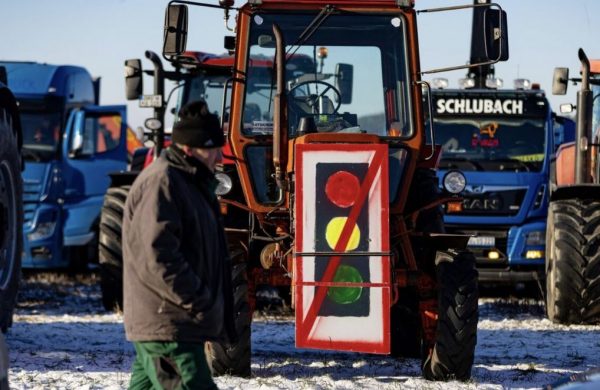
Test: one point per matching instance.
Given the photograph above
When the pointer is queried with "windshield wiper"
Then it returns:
(474, 163)
(312, 27)
(514, 161)
(30, 153)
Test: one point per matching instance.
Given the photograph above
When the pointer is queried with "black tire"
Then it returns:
(405, 318)
(573, 261)
(234, 359)
(110, 248)
(456, 334)
(11, 219)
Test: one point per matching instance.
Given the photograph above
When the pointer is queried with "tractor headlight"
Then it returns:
(454, 182)
(225, 183)
(42, 231)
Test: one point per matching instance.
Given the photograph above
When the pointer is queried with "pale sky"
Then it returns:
(100, 35)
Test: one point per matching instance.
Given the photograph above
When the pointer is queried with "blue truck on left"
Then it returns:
(70, 144)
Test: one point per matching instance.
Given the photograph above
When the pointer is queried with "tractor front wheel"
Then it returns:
(573, 261)
(456, 335)
(234, 359)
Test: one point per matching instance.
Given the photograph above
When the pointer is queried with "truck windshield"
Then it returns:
(491, 144)
(349, 75)
(41, 134)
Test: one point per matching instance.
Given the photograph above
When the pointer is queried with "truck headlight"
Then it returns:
(42, 231)
(454, 182)
(225, 184)
(537, 237)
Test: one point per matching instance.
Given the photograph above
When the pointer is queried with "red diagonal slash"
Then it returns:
(341, 245)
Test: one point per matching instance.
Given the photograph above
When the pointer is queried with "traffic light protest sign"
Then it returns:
(341, 267)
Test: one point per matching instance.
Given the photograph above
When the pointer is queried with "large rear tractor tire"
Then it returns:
(110, 254)
(234, 359)
(573, 261)
(11, 220)
(456, 335)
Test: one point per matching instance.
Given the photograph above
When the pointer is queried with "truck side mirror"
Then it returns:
(134, 87)
(560, 81)
(495, 34)
(176, 27)
(344, 78)
(76, 145)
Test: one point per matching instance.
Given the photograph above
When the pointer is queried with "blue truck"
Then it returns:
(70, 144)
(499, 145)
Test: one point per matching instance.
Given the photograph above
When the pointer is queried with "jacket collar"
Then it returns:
(200, 172)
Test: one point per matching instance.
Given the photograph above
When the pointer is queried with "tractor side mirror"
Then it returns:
(134, 87)
(176, 27)
(560, 81)
(344, 78)
(495, 34)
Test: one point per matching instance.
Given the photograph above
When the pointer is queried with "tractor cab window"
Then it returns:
(347, 75)
(208, 88)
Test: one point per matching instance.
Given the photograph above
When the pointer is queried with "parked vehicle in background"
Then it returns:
(70, 144)
(201, 76)
(573, 226)
(502, 142)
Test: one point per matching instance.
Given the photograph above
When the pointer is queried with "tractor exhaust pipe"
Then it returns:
(280, 137)
(159, 112)
(583, 135)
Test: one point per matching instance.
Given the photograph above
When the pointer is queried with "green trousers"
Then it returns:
(170, 365)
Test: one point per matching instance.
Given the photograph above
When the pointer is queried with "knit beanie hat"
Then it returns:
(197, 127)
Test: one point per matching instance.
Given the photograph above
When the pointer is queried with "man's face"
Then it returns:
(208, 156)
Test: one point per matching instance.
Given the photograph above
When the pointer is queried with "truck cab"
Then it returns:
(69, 146)
(502, 142)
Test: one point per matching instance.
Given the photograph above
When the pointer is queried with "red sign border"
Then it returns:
(303, 328)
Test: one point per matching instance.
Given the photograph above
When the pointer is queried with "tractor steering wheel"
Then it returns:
(312, 100)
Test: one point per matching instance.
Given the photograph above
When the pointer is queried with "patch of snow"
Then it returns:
(63, 339)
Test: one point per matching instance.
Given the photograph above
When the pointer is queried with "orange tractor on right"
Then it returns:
(573, 227)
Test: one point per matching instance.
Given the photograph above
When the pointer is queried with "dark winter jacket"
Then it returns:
(177, 272)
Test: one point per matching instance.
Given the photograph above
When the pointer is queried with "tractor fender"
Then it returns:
(580, 191)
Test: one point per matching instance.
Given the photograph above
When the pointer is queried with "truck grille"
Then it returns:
(493, 203)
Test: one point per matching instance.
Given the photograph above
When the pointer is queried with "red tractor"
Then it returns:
(573, 235)
(331, 193)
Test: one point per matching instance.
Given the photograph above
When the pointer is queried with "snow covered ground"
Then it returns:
(62, 339)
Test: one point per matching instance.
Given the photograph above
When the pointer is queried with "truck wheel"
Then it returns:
(573, 262)
(456, 335)
(234, 359)
(11, 220)
(110, 254)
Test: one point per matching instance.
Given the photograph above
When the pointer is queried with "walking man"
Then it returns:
(177, 273)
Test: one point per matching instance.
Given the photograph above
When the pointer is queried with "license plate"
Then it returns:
(482, 241)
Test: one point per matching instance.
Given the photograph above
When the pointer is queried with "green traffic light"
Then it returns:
(345, 295)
